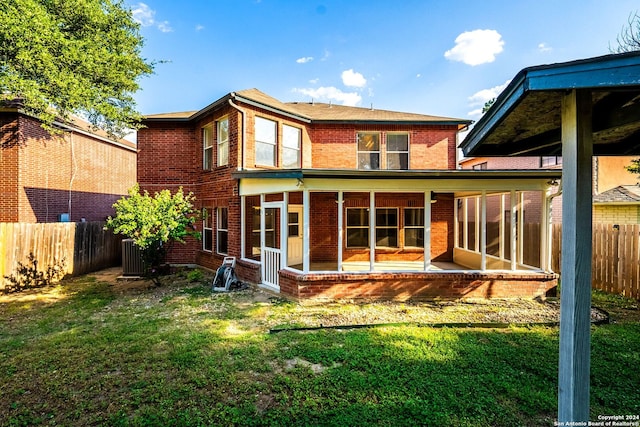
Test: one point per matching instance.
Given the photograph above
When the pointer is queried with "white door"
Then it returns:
(294, 243)
(271, 227)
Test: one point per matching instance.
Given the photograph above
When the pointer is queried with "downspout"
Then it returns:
(244, 131)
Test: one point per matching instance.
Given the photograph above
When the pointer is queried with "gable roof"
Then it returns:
(623, 194)
(525, 119)
(312, 112)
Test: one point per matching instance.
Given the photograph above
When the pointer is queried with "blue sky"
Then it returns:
(443, 58)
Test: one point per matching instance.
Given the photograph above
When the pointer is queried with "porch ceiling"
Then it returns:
(525, 119)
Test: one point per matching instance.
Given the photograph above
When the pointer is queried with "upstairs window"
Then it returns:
(290, 147)
(222, 245)
(223, 142)
(207, 147)
(550, 161)
(398, 151)
(480, 166)
(368, 150)
(266, 131)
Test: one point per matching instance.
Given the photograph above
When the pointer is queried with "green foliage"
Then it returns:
(634, 167)
(195, 275)
(61, 57)
(154, 222)
(488, 105)
(29, 276)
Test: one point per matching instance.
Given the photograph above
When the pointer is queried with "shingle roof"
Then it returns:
(620, 194)
(314, 111)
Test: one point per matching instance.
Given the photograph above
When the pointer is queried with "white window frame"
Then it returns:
(207, 227)
(223, 143)
(207, 147)
(289, 145)
(360, 152)
(396, 151)
(388, 227)
(413, 227)
(351, 227)
(261, 140)
(222, 228)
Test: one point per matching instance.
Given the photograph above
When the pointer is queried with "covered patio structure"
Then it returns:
(577, 109)
(348, 234)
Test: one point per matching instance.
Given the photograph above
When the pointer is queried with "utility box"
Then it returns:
(132, 264)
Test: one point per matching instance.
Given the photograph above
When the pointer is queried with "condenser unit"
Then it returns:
(132, 264)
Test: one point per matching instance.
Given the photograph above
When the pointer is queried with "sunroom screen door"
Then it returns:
(271, 238)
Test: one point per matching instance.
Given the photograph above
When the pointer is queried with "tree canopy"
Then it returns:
(629, 38)
(63, 57)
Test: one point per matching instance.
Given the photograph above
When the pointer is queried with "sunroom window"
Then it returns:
(414, 227)
(357, 227)
(207, 231)
(398, 151)
(387, 228)
(222, 245)
(368, 150)
(266, 131)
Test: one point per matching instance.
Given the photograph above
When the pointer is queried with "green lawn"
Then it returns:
(90, 353)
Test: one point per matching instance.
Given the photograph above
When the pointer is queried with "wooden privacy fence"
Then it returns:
(616, 257)
(85, 246)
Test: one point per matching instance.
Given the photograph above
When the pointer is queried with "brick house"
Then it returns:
(77, 174)
(325, 201)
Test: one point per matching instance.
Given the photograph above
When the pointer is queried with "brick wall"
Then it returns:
(414, 286)
(62, 173)
(9, 145)
(622, 214)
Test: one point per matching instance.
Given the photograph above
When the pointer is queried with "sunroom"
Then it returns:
(340, 234)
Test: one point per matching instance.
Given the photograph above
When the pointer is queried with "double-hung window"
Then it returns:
(223, 142)
(480, 166)
(266, 142)
(222, 231)
(550, 161)
(398, 151)
(290, 146)
(207, 147)
(368, 150)
(387, 227)
(357, 228)
(207, 231)
(414, 227)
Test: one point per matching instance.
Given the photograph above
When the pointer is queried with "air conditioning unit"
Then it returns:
(132, 264)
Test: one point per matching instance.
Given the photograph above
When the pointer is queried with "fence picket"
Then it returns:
(85, 247)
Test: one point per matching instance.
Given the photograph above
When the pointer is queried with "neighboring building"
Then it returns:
(75, 175)
(620, 205)
(325, 201)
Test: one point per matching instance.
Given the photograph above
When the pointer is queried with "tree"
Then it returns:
(63, 57)
(629, 38)
(154, 223)
(488, 105)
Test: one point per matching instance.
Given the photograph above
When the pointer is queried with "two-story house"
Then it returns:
(317, 200)
(73, 175)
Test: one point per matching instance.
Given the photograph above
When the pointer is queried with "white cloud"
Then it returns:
(143, 15)
(480, 97)
(304, 59)
(146, 17)
(542, 47)
(314, 81)
(165, 27)
(199, 27)
(476, 47)
(332, 94)
(326, 55)
(353, 79)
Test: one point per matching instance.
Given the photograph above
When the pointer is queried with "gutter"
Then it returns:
(244, 131)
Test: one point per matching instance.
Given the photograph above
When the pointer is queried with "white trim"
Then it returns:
(427, 228)
(340, 229)
(372, 230)
(306, 208)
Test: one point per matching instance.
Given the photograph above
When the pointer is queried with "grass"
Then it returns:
(88, 352)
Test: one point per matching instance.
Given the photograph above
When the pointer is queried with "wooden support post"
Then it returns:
(575, 297)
